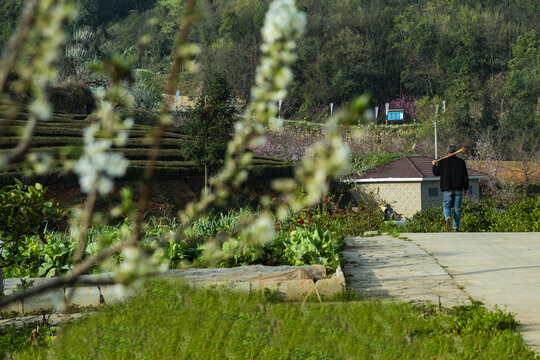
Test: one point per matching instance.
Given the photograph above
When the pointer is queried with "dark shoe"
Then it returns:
(449, 224)
(455, 230)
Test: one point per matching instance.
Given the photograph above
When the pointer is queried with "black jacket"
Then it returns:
(453, 172)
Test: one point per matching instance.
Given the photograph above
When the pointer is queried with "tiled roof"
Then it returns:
(407, 167)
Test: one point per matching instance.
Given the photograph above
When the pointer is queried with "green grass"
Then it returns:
(171, 321)
(14, 339)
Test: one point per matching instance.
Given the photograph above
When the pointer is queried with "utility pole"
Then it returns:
(435, 127)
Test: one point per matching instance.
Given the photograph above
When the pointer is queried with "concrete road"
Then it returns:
(499, 269)
(388, 267)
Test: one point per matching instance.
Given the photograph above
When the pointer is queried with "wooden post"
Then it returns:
(314, 288)
(261, 284)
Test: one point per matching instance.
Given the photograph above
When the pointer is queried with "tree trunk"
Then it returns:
(205, 178)
(1, 281)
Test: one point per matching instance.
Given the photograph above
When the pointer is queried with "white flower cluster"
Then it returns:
(263, 229)
(322, 160)
(41, 70)
(283, 25)
(137, 263)
(40, 162)
(97, 166)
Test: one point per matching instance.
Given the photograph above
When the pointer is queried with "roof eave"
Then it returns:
(378, 180)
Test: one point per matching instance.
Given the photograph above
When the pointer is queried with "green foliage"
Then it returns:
(304, 247)
(146, 91)
(476, 216)
(521, 216)
(475, 318)
(10, 10)
(210, 124)
(523, 86)
(220, 325)
(14, 339)
(428, 220)
(471, 56)
(24, 210)
(46, 255)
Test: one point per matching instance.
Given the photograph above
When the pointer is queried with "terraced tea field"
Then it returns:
(176, 179)
(62, 138)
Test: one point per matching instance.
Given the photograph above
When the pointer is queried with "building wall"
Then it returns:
(404, 197)
(429, 188)
(407, 198)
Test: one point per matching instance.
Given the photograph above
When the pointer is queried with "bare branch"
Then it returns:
(179, 60)
(17, 155)
(16, 42)
(87, 218)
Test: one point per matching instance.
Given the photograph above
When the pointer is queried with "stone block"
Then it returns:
(115, 293)
(239, 286)
(50, 300)
(266, 284)
(82, 296)
(295, 289)
(10, 285)
(329, 287)
(14, 306)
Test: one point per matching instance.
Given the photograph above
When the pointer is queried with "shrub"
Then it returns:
(46, 255)
(24, 210)
(72, 97)
(523, 215)
(146, 91)
(476, 217)
(428, 220)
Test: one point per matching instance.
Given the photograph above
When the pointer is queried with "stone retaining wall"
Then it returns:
(294, 283)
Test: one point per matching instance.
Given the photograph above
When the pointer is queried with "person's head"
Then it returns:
(451, 148)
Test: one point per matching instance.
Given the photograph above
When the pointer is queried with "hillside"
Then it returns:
(177, 180)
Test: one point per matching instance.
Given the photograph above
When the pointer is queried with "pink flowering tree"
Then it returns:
(405, 102)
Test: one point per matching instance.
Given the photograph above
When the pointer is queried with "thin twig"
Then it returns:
(87, 217)
(179, 59)
(16, 42)
(17, 155)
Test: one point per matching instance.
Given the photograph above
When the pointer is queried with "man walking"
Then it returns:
(454, 183)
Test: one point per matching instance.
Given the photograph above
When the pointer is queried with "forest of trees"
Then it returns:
(482, 57)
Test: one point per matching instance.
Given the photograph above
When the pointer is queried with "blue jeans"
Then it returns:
(452, 199)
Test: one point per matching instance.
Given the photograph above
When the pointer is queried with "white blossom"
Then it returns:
(41, 108)
(98, 166)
